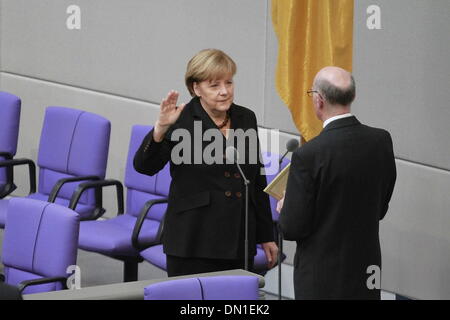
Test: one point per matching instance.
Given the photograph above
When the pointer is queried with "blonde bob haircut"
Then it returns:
(208, 64)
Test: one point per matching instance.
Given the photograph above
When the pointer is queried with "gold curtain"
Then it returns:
(312, 34)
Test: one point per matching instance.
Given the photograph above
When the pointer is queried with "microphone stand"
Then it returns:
(246, 183)
(280, 238)
(290, 146)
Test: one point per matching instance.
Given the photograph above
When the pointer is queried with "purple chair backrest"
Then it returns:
(9, 126)
(205, 288)
(270, 177)
(141, 187)
(40, 240)
(73, 143)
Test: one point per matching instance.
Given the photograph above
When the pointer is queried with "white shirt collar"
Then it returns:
(341, 116)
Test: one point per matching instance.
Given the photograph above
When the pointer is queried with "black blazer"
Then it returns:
(339, 187)
(205, 214)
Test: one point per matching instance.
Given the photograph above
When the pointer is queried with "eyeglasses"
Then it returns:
(310, 93)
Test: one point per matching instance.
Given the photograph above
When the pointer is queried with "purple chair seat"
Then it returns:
(205, 288)
(40, 241)
(155, 256)
(112, 237)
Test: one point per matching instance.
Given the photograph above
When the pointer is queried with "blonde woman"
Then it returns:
(204, 223)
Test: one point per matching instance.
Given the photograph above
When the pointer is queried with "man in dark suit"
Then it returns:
(339, 187)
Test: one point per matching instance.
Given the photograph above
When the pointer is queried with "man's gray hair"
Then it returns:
(335, 95)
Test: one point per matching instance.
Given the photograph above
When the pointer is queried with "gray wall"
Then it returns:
(128, 54)
(403, 74)
(136, 49)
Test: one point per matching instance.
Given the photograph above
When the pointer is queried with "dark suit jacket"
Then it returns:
(205, 214)
(339, 187)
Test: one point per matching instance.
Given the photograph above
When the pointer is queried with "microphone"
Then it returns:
(232, 156)
(291, 146)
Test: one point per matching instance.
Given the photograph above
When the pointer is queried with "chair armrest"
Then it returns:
(6, 155)
(158, 239)
(31, 169)
(27, 283)
(9, 186)
(61, 182)
(140, 221)
(98, 186)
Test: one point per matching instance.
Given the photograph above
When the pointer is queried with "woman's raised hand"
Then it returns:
(168, 114)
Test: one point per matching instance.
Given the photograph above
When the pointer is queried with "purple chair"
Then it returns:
(155, 255)
(205, 288)
(273, 206)
(9, 132)
(40, 243)
(73, 148)
(273, 202)
(146, 205)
